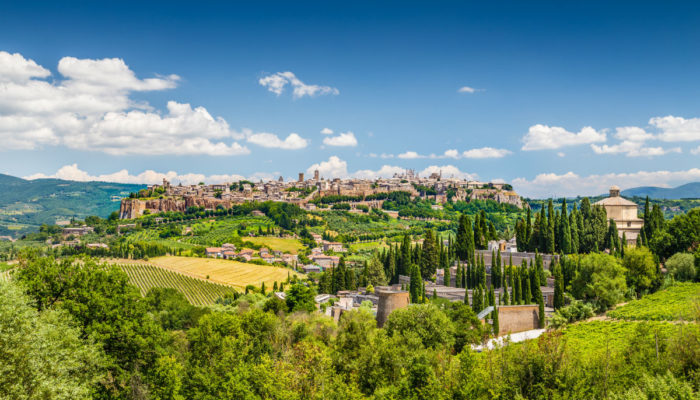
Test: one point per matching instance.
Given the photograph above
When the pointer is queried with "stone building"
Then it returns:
(624, 213)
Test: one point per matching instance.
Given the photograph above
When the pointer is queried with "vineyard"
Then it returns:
(679, 302)
(4, 276)
(292, 246)
(226, 272)
(197, 291)
(614, 337)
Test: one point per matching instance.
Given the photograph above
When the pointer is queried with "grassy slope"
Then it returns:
(678, 302)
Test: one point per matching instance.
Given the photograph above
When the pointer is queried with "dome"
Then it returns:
(614, 187)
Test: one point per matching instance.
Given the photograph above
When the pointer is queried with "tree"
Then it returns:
(565, 236)
(681, 266)
(494, 321)
(42, 355)
(446, 276)
(429, 256)
(600, 278)
(425, 321)
(641, 269)
(416, 287)
(300, 298)
(540, 303)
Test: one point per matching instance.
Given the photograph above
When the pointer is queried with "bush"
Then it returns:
(681, 266)
(576, 311)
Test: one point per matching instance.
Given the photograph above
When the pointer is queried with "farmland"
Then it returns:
(225, 272)
(679, 302)
(285, 245)
(198, 292)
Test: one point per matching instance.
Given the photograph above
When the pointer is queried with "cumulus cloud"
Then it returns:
(486, 152)
(346, 139)
(326, 131)
(74, 173)
(633, 149)
(410, 155)
(543, 137)
(677, 129)
(571, 184)
(291, 142)
(335, 167)
(448, 171)
(277, 82)
(466, 89)
(90, 108)
(483, 152)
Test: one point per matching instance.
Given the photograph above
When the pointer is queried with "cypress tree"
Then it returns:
(517, 291)
(262, 288)
(458, 280)
(573, 227)
(483, 271)
(434, 294)
(492, 297)
(527, 294)
(494, 319)
(466, 296)
(446, 276)
(274, 287)
(506, 296)
(429, 255)
(415, 287)
(540, 302)
(565, 241)
(528, 231)
(623, 243)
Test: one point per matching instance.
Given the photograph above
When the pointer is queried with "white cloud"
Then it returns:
(326, 131)
(91, 109)
(277, 82)
(410, 155)
(385, 155)
(633, 149)
(695, 151)
(467, 89)
(543, 137)
(448, 171)
(486, 152)
(292, 142)
(15, 68)
(561, 154)
(571, 184)
(677, 129)
(633, 133)
(74, 173)
(452, 153)
(346, 139)
(333, 168)
(386, 171)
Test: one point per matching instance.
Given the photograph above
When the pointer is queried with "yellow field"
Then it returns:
(227, 272)
(274, 243)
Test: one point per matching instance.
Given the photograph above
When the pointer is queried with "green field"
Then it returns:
(599, 337)
(679, 302)
(285, 245)
(197, 291)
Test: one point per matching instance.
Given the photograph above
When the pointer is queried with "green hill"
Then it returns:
(687, 191)
(25, 204)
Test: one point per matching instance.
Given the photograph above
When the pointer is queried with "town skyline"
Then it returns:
(353, 93)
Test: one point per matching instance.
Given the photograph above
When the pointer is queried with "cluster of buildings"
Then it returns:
(228, 251)
(302, 191)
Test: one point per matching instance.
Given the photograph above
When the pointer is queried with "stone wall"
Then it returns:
(389, 300)
(513, 319)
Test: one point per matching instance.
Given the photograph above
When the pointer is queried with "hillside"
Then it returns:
(687, 191)
(25, 204)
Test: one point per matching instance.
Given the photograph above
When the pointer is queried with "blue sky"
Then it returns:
(558, 98)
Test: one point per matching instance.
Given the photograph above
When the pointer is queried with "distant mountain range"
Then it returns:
(687, 191)
(25, 204)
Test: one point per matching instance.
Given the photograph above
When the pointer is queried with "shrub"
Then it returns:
(681, 266)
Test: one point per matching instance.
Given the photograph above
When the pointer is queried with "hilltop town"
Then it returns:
(307, 192)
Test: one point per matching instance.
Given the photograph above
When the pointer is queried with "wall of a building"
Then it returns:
(389, 301)
(513, 319)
